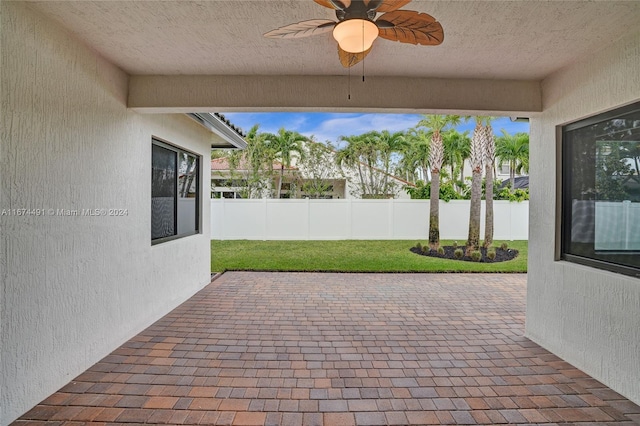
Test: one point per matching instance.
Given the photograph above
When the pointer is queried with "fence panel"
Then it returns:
(355, 219)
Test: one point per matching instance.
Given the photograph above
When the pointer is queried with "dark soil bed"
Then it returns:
(501, 255)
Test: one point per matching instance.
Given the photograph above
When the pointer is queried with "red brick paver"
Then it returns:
(339, 349)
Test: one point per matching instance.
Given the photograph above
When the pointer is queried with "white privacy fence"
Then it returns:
(355, 219)
(617, 225)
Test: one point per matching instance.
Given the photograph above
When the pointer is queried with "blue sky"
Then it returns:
(330, 126)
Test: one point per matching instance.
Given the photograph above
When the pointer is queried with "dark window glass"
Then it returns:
(175, 192)
(601, 191)
(188, 194)
(163, 192)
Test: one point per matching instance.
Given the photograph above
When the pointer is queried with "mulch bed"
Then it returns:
(501, 255)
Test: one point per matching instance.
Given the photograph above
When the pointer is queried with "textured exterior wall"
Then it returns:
(73, 288)
(589, 317)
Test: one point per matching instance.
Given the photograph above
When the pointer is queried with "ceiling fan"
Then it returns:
(357, 27)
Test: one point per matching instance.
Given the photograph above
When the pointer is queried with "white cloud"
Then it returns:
(355, 124)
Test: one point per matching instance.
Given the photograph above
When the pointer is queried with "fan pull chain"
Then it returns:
(363, 51)
(349, 84)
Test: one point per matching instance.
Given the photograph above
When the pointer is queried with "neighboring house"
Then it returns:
(229, 182)
(301, 181)
(501, 172)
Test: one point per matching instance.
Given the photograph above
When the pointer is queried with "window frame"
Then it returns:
(566, 181)
(177, 150)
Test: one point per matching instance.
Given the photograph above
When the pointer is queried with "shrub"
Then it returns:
(504, 246)
(422, 191)
(455, 245)
(458, 253)
(514, 196)
(491, 254)
(476, 255)
(419, 246)
(440, 250)
(448, 192)
(418, 192)
(425, 249)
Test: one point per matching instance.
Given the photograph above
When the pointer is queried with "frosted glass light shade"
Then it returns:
(355, 35)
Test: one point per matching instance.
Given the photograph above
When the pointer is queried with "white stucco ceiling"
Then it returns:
(523, 40)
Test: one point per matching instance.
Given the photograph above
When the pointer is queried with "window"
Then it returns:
(175, 192)
(601, 191)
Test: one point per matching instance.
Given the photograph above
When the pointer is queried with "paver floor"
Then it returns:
(339, 349)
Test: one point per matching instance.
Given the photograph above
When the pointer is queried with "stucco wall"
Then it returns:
(589, 317)
(73, 288)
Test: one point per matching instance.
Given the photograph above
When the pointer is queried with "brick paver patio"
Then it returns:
(339, 349)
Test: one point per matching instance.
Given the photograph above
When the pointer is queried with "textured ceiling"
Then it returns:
(483, 39)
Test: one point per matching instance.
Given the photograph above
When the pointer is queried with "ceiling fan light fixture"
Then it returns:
(355, 35)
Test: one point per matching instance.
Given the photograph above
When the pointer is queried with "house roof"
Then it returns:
(212, 56)
(227, 135)
(520, 182)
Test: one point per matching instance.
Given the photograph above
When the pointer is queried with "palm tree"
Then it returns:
(372, 155)
(349, 157)
(257, 160)
(513, 149)
(283, 144)
(434, 125)
(389, 144)
(415, 155)
(478, 143)
(457, 148)
(489, 163)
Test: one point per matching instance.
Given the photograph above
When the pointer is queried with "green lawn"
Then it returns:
(347, 256)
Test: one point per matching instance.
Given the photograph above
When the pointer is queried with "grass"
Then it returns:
(347, 256)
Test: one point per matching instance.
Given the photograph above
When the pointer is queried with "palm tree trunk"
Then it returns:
(434, 211)
(453, 179)
(371, 178)
(362, 181)
(512, 176)
(474, 212)
(425, 173)
(488, 217)
(280, 181)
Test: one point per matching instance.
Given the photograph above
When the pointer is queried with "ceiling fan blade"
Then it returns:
(348, 59)
(302, 29)
(408, 26)
(334, 4)
(391, 5)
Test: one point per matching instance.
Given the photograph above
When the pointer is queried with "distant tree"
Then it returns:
(371, 156)
(390, 145)
(218, 153)
(631, 150)
(457, 148)
(435, 124)
(319, 168)
(514, 150)
(283, 144)
(414, 161)
(256, 163)
(613, 172)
